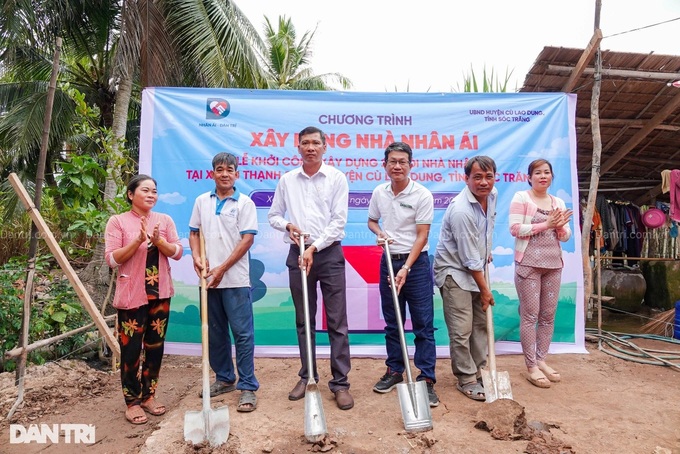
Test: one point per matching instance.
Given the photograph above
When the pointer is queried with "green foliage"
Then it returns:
(287, 60)
(81, 179)
(55, 310)
(490, 82)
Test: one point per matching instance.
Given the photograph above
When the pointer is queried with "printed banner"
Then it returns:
(183, 128)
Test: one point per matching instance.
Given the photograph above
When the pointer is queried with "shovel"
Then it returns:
(208, 424)
(315, 420)
(413, 400)
(496, 384)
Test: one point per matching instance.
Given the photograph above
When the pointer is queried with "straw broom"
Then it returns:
(661, 324)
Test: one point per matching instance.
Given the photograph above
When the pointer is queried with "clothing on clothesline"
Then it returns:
(675, 195)
(665, 181)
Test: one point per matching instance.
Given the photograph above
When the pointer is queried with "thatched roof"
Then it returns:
(639, 115)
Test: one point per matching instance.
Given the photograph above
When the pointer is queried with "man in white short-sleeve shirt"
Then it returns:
(228, 220)
(406, 210)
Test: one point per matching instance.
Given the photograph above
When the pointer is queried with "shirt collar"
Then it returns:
(234, 196)
(324, 169)
(410, 187)
(472, 199)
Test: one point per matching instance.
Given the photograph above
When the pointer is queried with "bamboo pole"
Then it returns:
(49, 341)
(78, 286)
(33, 244)
(21, 367)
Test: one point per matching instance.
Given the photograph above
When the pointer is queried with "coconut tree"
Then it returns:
(287, 61)
(27, 37)
(179, 42)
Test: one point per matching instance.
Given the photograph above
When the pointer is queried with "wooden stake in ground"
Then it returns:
(78, 286)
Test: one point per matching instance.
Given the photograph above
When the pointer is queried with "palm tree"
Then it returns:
(287, 61)
(179, 42)
(111, 49)
(26, 44)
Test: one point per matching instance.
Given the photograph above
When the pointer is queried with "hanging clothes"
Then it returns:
(665, 181)
(602, 207)
(675, 195)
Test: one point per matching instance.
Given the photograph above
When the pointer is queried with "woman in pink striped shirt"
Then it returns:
(538, 221)
(139, 243)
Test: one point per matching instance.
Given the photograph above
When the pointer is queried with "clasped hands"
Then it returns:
(155, 236)
(558, 218)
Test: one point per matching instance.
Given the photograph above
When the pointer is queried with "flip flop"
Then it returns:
(550, 373)
(247, 402)
(473, 390)
(537, 379)
(153, 407)
(135, 415)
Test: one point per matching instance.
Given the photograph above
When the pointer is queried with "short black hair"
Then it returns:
(484, 162)
(399, 146)
(313, 130)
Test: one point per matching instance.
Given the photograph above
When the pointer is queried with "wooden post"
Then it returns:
(598, 267)
(85, 298)
(23, 357)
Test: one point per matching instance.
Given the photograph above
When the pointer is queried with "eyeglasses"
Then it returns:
(402, 163)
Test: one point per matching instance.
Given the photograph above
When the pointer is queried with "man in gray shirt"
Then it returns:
(460, 260)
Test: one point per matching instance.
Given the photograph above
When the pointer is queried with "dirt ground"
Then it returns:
(603, 405)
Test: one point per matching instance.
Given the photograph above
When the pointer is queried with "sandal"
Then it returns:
(135, 415)
(247, 402)
(153, 407)
(219, 387)
(473, 390)
(550, 373)
(537, 379)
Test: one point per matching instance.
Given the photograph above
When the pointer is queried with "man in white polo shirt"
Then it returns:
(228, 220)
(406, 210)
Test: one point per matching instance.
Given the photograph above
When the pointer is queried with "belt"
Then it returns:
(399, 256)
(334, 243)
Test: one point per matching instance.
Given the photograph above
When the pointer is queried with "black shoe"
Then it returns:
(388, 381)
(432, 394)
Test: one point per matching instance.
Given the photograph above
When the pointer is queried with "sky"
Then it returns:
(431, 45)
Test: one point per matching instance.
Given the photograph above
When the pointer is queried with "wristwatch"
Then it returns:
(407, 268)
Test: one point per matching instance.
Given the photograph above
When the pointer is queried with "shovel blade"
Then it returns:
(211, 426)
(415, 406)
(496, 385)
(315, 420)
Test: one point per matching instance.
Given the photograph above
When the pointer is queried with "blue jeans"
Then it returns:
(232, 308)
(417, 292)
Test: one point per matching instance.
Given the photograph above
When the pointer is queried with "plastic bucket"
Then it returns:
(676, 325)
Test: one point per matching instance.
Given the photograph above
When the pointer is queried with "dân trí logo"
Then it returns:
(216, 108)
(72, 433)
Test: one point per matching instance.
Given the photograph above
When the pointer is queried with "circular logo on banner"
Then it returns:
(217, 108)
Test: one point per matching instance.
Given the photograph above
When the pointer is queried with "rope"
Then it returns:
(641, 28)
(621, 311)
(619, 346)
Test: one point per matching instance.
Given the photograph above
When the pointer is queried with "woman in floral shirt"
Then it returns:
(138, 243)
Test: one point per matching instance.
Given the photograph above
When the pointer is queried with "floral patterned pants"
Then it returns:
(141, 335)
